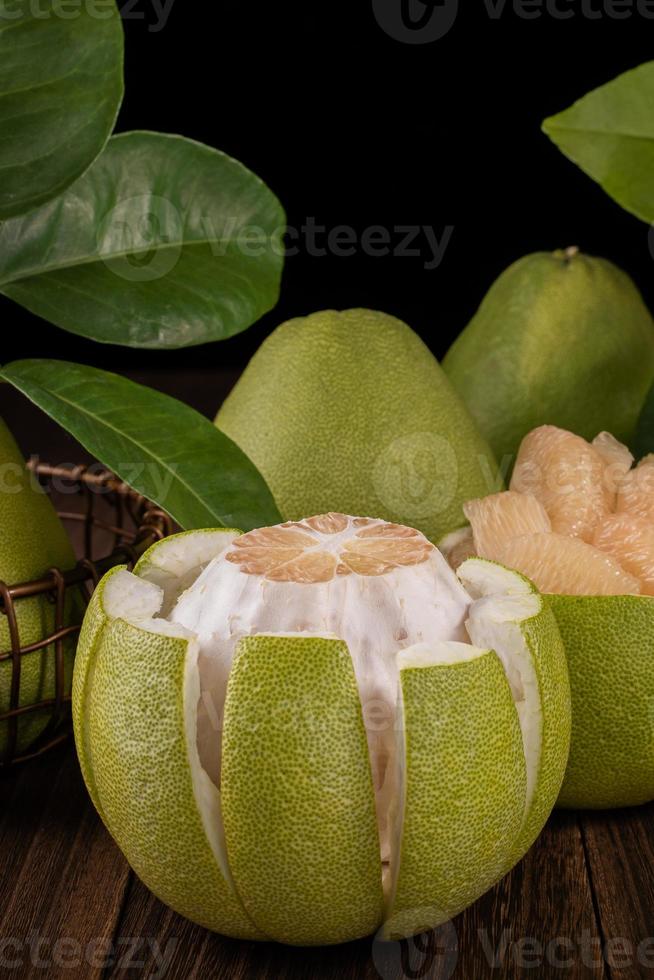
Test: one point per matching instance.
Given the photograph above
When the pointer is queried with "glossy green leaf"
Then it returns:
(61, 85)
(161, 447)
(163, 242)
(644, 441)
(609, 133)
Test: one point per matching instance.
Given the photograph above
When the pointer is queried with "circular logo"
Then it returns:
(415, 21)
(140, 239)
(417, 475)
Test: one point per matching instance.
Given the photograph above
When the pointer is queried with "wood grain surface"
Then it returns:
(580, 904)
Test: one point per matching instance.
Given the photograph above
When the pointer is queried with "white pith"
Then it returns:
(413, 616)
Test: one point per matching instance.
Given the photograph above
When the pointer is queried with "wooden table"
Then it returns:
(581, 903)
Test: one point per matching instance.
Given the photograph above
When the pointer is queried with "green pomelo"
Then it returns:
(560, 339)
(32, 540)
(351, 412)
(288, 848)
(609, 644)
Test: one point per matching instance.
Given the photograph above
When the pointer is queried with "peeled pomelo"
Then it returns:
(566, 475)
(255, 716)
(560, 338)
(636, 492)
(630, 539)
(32, 541)
(351, 412)
(601, 594)
(502, 516)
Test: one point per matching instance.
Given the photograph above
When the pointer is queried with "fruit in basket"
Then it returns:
(32, 540)
(602, 593)
(559, 338)
(350, 411)
(238, 724)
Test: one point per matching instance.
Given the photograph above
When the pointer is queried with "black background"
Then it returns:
(351, 127)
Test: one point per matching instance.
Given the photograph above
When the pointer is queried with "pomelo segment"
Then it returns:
(630, 539)
(567, 475)
(617, 463)
(298, 800)
(609, 643)
(141, 714)
(636, 493)
(561, 564)
(502, 516)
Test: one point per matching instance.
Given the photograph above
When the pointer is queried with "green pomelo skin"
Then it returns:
(609, 644)
(33, 540)
(560, 339)
(350, 412)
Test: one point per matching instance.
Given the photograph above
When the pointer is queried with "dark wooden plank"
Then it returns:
(63, 880)
(514, 930)
(620, 850)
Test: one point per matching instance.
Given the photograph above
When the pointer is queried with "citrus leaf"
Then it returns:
(61, 85)
(609, 133)
(159, 446)
(163, 242)
(644, 441)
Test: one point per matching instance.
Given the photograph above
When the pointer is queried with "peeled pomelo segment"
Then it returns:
(298, 799)
(457, 546)
(464, 784)
(636, 492)
(609, 643)
(618, 460)
(565, 565)
(629, 539)
(140, 717)
(175, 562)
(512, 618)
(566, 474)
(502, 516)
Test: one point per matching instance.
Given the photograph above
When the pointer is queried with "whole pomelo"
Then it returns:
(560, 339)
(349, 411)
(32, 540)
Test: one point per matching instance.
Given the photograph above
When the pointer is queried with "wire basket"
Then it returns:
(110, 519)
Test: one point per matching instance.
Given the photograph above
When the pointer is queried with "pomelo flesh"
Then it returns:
(310, 812)
(566, 475)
